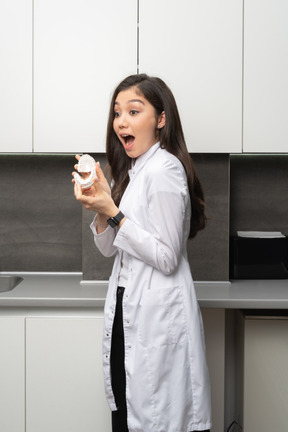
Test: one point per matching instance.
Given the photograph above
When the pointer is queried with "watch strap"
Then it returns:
(115, 220)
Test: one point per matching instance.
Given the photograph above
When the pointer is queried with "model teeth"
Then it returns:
(86, 164)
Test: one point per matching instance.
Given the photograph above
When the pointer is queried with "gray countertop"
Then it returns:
(69, 290)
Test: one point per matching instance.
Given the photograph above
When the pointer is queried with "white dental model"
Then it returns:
(86, 165)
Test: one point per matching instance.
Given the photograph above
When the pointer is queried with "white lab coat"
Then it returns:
(166, 373)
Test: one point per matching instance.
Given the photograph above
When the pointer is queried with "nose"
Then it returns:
(122, 121)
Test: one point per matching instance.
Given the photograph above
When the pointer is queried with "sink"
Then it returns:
(7, 282)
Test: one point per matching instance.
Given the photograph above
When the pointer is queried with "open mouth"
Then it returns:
(128, 140)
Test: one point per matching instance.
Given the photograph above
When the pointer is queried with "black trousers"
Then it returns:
(119, 417)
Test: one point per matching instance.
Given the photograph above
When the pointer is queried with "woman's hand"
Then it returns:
(98, 197)
(101, 180)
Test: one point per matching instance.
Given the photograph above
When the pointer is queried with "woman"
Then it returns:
(156, 377)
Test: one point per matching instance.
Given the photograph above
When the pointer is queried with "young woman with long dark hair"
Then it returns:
(155, 370)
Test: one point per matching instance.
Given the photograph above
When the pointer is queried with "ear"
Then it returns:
(161, 120)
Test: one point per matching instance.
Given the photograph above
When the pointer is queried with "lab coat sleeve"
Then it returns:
(160, 244)
(104, 241)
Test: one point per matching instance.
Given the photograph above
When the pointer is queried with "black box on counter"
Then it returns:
(258, 255)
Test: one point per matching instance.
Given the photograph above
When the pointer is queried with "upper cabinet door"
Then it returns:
(16, 76)
(195, 46)
(265, 76)
(82, 49)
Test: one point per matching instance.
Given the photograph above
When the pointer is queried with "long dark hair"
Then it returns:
(171, 138)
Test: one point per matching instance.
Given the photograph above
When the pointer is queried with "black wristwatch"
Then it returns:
(115, 220)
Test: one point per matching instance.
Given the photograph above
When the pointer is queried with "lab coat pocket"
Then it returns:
(162, 320)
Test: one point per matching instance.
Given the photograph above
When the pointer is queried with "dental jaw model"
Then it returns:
(86, 165)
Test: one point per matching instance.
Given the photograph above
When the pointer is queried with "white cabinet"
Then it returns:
(265, 375)
(59, 83)
(51, 375)
(64, 379)
(16, 76)
(82, 50)
(12, 374)
(62, 59)
(196, 47)
(265, 125)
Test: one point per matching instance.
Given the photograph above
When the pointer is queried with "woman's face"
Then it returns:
(135, 122)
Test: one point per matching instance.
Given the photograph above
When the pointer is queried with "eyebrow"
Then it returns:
(131, 101)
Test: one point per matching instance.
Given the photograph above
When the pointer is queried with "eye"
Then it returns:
(133, 112)
(116, 114)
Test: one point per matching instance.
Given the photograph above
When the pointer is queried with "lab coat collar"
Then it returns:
(138, 163)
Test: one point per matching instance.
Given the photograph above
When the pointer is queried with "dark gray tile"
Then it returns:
(209, 252)
(40, 220)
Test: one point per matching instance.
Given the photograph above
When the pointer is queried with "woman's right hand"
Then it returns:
(100, 181)
(97, 198)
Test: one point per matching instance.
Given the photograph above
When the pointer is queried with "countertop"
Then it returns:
(69, 290)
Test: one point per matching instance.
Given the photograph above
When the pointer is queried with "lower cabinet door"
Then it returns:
(64, 379)
(12, 374)
(265, 375)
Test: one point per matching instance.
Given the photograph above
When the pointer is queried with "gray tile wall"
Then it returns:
(209, 251)
(43, 227)
(40, 221)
